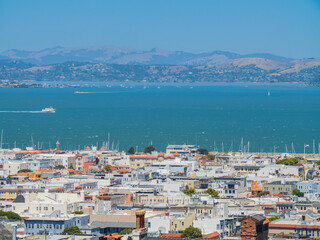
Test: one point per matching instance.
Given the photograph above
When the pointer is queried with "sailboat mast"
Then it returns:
(314, 148)
(32, 143)
(293, 151)
(1, 139)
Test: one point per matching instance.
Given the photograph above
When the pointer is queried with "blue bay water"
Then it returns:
(203, 115)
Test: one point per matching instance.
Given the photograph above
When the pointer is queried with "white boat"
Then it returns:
(48, 110)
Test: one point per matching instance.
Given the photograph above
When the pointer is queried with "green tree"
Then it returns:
(71, 231)
(149, 149)
(126, 231)
(263, 193)
(212, 192)
(203, 151)
(24, 170)
(108, 168)
(317, 162)
(210, 157)
(191, 232)
(78, 212)
(273, 218)
(59, 167)
(10, 215)
(288, 161)
(131, 151)
(297, 192)
(189, 191)
(71, 167)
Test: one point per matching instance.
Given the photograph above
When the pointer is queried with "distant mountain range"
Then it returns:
(117, 55)
(109, 63)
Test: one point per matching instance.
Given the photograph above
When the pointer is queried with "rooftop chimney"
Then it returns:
(140, 218)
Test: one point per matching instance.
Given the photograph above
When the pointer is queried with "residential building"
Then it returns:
(279, 187)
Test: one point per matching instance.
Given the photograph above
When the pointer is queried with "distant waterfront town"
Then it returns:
(185, 192)
(34, 84)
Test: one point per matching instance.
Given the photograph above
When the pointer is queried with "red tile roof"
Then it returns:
(170, 235)
(266, 221)
(211, 235)
(293, 226)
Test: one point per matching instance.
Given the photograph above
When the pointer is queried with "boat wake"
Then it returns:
(99, 92)
(21, 112)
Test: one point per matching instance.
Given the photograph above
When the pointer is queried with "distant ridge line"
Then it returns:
(109, 54)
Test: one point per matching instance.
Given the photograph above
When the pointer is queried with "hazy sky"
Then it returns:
(285, 27)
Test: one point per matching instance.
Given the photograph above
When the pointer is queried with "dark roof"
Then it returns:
(19, 199)
(280, 183)
(255, 217)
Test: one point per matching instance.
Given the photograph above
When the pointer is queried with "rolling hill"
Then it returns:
(117, 55)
